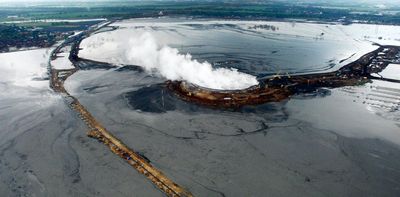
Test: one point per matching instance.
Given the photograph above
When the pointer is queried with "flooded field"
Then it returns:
(259, 48)
(339, 142)
(329, 142)
(211, 98)
(343, 141)
(44, 149)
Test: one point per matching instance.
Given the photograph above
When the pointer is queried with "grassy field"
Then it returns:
(274, 10)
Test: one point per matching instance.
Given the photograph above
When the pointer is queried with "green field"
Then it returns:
(271, 10)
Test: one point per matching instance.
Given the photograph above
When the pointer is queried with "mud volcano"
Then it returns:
(282, 87)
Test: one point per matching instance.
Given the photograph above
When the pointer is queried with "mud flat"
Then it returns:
(342, 141)
(306, 145)
(294, 48)
(43, 147)
(96, 130)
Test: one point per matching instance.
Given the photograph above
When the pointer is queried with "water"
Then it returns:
(289, 48)
(340, 142)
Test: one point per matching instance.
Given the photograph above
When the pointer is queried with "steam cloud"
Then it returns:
(145, 51)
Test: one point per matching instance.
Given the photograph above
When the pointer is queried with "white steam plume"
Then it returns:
(144, 51)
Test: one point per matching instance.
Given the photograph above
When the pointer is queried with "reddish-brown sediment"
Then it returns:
(279, 88)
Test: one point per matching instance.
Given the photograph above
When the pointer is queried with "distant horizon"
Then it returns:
(239, 1)
(378, 4)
